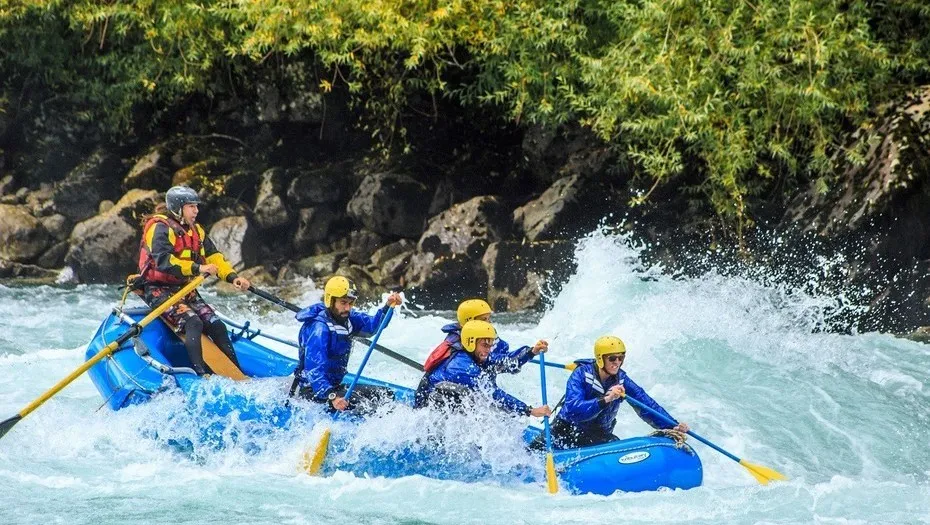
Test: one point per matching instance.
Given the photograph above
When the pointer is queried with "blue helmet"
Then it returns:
(178, 196)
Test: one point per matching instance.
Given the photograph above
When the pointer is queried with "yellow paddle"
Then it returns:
(133, 331)
(552, 482)
(762, 474)
(313, 463)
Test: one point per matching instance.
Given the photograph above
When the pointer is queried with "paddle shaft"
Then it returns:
(542, 381)
(313, 463)
(275, 299)
(762, 473)
(294, 308)
(691, 433)
(569, 366)
(651, 411)
(374, 341)
(552, 482)
(103, 353)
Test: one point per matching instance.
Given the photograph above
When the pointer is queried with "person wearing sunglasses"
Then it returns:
(593, 395)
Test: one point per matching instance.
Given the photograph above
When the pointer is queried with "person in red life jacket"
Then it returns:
(175, 249)
(502, 359)
(326, 342)
(469, 370)
(593, 395)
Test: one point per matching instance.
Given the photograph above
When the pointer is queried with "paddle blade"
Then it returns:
(8, 424)
(551, 480)
(313, 459)
(218, 361)
(762, 474)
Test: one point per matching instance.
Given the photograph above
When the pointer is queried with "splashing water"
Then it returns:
(741, 359)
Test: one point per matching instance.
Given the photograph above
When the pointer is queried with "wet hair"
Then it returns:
(160, 209)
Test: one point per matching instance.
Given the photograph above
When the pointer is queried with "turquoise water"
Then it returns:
(843, 416)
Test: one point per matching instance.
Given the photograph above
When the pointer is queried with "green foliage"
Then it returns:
(747, 95)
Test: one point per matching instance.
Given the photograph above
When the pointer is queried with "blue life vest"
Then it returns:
(325, 345)
(584, 406)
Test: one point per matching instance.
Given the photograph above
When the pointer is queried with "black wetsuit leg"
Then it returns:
(421, 395)
(566, 435)
(217, 331)
(365, 400)
(193, 329)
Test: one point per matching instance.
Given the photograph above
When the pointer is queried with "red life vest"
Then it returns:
(187, 246)
(437, 356)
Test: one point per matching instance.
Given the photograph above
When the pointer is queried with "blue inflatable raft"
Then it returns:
(157, 361)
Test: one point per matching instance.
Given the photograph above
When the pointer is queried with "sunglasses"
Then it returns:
(614, 358)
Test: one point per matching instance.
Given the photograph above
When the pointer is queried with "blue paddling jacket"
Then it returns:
(325, 345)
(584, 404)
(462, 369)
(502, 359)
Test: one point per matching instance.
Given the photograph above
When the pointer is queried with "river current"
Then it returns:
(845, 417)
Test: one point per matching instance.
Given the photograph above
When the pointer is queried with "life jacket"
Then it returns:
(437, 356)
(188, 247)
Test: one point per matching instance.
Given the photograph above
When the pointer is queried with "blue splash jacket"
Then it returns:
(502, 359)
(461, 368)
(325, 345)
(584, 404)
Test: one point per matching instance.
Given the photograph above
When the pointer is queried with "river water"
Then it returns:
(845, 417)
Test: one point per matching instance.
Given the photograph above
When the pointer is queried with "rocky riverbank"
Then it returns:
(292, 190)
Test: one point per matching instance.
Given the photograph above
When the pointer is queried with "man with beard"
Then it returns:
(325, 344)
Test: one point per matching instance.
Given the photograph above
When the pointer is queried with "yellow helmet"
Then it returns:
(606, 345)
(470, 309)
(474, 330)
(337, 287)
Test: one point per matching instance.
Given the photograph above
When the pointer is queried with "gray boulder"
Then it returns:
(392, 270)
(27, 273)
(325, 185)
(151, 171)
(875, 213)
(270, 210)
(318, 266)
(554, 153)
(572, 205)
(447, 262)
(6, 184)
(391, 204)
(441, 281)
(390, 251)
(365, 283)
(314, 226)
(521, 276)
(22, 236)
(58, 226)
(466, 228)
(362, 244)
(105, 248)
(54, 257)
(237, 239)
(78, 196)
(893, 176)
